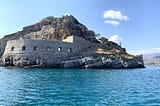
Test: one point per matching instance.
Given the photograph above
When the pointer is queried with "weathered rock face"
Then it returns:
(52, 28)
(90, 62)
(51, 34)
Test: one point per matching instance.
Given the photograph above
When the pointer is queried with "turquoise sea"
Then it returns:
(80, 87)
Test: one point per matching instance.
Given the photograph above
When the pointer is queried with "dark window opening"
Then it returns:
(49, 23)
(35, 48)
(69, 50)
(24, 48)
(12, 48)
(48, 48)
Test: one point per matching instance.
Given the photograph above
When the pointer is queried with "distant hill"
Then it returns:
(153, 58)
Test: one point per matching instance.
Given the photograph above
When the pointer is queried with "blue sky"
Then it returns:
(134, 23)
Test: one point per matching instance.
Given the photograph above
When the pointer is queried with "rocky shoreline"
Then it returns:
(91, 62)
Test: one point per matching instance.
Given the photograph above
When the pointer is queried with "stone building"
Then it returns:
(47, 52)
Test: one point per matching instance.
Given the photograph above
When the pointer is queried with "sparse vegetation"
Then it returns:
(103, 40)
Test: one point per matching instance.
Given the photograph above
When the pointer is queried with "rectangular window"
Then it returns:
(69, 50)
(35, 48)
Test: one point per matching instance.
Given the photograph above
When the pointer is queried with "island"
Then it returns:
(63, 43)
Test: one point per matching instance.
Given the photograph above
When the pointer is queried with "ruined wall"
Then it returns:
(80, 43)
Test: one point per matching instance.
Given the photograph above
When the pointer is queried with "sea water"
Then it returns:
(80, 87)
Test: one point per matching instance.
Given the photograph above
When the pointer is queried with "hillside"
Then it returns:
(152, 59)
(52, 28)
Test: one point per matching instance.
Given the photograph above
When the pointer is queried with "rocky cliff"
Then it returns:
(100, 53)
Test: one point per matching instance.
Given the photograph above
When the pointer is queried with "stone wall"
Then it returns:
(81, 44)
(50, 52)
(2, 47)
(139, 59)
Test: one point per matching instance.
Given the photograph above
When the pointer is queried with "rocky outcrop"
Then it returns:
(102, 62)
(52, 28)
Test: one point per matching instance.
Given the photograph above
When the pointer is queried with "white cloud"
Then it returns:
(114, 23)
(115, 38)
(111, 14)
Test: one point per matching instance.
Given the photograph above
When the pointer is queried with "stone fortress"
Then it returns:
(63, 43)
(50, 52)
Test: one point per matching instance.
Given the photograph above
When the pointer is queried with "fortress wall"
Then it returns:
(139, 59)
(38, 47)
(80, 43)
(44, 51)
(2, 47)
(45, 48)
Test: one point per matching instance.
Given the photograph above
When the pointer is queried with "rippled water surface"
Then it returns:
(76, 87)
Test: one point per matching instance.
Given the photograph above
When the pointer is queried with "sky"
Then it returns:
(133, 23)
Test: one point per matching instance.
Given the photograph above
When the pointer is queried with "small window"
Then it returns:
(12, 48)
(69, 50)
(49, 23)
(59, 49)
(35, 48)
(48, 48)
(24, 48)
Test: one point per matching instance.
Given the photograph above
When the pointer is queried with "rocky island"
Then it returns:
(63, 43)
